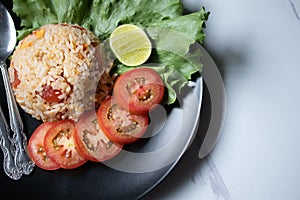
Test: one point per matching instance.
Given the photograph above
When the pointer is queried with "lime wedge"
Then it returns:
(130, 44)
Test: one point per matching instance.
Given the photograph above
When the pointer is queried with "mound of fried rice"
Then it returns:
(59, 71)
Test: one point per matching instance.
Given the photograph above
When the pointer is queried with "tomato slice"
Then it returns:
(60, 145)
(16, 80)
(139, 90)
(119, 125)
(36, 148)
(92, 143)
(50, 94)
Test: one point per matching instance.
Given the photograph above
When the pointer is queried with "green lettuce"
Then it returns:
(171, 31)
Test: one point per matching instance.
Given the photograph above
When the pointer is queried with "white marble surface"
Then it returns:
(256, 45)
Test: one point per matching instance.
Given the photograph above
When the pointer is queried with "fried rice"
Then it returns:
(60, 71)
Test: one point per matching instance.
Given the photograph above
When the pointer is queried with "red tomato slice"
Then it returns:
(119, 125)
(92, 143)
(139, 90)
(16, 80)
(50, 95)
(60, 145)
(36, 148)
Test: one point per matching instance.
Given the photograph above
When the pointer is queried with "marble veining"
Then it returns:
(295, 11)
(257, 156)
(216, 181)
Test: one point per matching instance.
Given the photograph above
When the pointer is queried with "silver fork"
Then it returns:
(9, 164)
(19, 139)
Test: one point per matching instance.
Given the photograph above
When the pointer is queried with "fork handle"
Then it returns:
(23, 162)
(9, 165)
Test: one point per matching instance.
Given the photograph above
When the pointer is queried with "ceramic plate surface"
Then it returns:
(132, 173)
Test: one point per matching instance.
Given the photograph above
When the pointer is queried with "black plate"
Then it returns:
(132, 173)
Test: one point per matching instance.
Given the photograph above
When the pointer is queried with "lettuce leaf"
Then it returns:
(171, 56)
(99, 16)
(171, 31)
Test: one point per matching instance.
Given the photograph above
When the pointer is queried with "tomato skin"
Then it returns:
(60, 145)
(36, 149)
(139, 90)
(119, 125)
(92, 143)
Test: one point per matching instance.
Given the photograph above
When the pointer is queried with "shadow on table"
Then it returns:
(190, 164)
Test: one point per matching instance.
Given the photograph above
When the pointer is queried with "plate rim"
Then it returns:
(185, 148)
